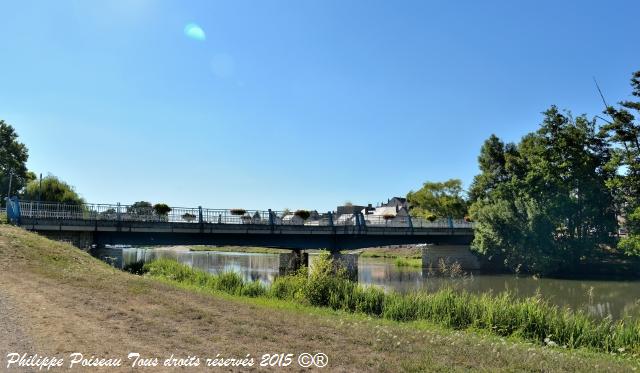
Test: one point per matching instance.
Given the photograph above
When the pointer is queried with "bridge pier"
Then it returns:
(291, 262)
(348, 261)
(434, 255)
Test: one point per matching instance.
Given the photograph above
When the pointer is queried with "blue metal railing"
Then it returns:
(128, 213)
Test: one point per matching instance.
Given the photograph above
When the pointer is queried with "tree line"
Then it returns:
(559, 197)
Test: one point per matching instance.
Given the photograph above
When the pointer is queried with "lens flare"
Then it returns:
(195, 32)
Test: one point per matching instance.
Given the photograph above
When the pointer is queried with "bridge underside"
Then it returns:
(286, 237)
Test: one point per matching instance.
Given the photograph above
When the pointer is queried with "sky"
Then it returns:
(294, 104)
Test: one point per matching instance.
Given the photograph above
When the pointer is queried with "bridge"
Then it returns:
(100, 225)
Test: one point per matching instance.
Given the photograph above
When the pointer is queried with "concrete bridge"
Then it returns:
(99, 225)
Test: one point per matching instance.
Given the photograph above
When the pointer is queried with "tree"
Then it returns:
(52, 190)
(623, 131)
(543, 204)
(161, 209)
(13, 161)
(140, 208)
(443, 199)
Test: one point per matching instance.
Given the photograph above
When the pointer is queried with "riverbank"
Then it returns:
(404, 252)
(70, 302)
(239, 249)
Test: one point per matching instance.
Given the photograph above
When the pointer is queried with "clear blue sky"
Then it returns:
(298, 104)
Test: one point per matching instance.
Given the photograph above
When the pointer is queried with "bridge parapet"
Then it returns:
(33, 210)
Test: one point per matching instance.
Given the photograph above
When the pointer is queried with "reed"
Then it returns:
(531, 319)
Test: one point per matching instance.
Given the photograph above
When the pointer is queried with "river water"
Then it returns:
(599, 298)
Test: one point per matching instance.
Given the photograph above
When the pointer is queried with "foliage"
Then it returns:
(408, 262)
(237, 211)
(442, 199)
(543, 204)
(188, 217)
(13, 159)
(302, 214)
(623, 131)
(161, 209)
(136, 268)
(531, 318)
(630, 245)
(52, 190)
(388, 216)
(141, 208)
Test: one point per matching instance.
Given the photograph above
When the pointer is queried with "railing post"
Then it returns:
(118, 217)
(363, 222)
(271, 222)
(357, 216)
(200, 214)
(330, 219)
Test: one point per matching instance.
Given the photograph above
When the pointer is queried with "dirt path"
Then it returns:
(12, 335)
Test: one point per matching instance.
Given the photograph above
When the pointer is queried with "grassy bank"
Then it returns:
(65, 301)
(529, 319)
(239, 249)
(409, 252)
(404, 262)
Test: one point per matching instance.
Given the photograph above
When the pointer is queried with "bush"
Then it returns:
(431, 217)
(388, 216)
(136, 268)
(161, 209)
(237, 212)
(630, 245)
(302, 214)
(188, 217)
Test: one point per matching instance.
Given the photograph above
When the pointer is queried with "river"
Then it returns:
(599, 298)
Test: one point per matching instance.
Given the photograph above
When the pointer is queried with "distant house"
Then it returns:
(381, 215)
(348, 209)
(398, 202)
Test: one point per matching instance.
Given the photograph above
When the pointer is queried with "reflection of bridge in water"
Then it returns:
(101, 224)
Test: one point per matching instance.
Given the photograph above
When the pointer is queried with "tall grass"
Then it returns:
(531, 319)
(408, 262)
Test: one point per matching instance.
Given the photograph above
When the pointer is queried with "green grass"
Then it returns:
(404, 262)
(530, 319)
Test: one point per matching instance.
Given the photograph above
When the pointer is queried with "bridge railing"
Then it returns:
(117, 212)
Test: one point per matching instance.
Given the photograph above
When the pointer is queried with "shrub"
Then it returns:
(388, 216)
(238, 212)
(431, 217)
(136, 268)
(161, 209)
(630, 245)
(188, 217)
(302, 214)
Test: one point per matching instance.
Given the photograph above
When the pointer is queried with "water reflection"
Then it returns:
(252, 267)
(619, 299)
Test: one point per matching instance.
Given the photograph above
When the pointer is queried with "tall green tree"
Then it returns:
(13, 161)
(52, 189)
(543, 205)
(442, 199)
(623, 131)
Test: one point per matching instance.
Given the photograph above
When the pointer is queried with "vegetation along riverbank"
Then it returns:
(531, 319)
